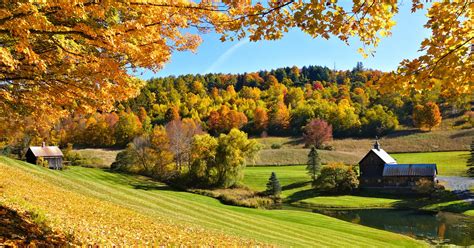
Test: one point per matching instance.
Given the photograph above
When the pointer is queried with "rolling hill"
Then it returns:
(94, 206)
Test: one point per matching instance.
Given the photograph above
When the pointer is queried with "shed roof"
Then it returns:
(46, 151)
(393, 170)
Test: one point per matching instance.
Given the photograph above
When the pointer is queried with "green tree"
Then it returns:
(273, 187)
(313, 166)
(127, 127)
(337, 178)
(232, 151)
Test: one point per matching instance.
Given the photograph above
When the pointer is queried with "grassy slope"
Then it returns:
(350, 150)
(101, 204)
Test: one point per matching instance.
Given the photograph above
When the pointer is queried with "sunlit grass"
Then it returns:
(108, 208)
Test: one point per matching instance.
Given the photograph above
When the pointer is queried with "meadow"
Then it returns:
(99, 207)
(448, 163)
(296, 186)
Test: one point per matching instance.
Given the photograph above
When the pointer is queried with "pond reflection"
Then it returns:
(437, 228)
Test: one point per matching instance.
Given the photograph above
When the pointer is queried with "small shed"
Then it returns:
(371, 166)
(52, 154)
(406, 175)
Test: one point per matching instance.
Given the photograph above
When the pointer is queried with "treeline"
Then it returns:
(277, 102)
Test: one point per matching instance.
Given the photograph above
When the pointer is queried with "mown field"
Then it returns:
(448, 163)
(98, 207)
(296, 187)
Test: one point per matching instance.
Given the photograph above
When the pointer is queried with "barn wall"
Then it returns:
(30, 157)
(404, 181)
(371, 170)
(54, 162)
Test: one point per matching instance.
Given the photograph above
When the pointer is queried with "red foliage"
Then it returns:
(316, 132)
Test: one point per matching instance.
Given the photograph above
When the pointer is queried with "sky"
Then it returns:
(298, 48)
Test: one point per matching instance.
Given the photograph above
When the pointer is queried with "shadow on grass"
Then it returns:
(295, 141)
(134, 181)
(402, 133)
(18, 230)
(461, 134)
(301, 195)
(295, 185)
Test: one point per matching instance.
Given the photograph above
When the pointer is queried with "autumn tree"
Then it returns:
(378, 121)
(427, 115)
(224, 119)
(202, 168)
(180, 134)
(127, 128)
(279, 118)
(260, 119)
(148, 154)
(316, 132)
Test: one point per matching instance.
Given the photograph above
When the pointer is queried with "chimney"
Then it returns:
(377, 144)
(44, 144)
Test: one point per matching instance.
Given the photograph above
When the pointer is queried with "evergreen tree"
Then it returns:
(273, 186)
(314, 163)
(470, 161)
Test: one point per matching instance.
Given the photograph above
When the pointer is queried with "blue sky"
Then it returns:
(298, 48)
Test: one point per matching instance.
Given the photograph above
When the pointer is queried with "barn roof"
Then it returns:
(409, 170)
(382, 154)
(46, 151)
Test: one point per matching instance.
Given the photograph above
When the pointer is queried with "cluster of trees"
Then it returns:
(333, 178)
(283, 101)
(182, 154)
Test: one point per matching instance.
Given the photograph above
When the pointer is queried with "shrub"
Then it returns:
(76, 159)
(316, 132)
(424, 186)
(434, 190)
(337, 178)
(42, 162)
(240, 196)
(275, 146)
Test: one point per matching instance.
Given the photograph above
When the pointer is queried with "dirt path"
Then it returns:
(460, 186)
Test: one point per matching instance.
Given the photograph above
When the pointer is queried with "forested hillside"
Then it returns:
(277, 102)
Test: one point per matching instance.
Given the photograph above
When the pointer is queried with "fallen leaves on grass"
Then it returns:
(90, 221)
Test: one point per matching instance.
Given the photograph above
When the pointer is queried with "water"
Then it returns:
(436, 228)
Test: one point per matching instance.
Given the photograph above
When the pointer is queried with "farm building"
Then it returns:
(52, 154)
(378, 169)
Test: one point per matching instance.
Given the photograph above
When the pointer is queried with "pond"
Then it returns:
(436, 228)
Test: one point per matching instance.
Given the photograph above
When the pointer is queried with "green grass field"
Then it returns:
(448, 163)
(296, 188)
(296, 183)
(75, 196)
